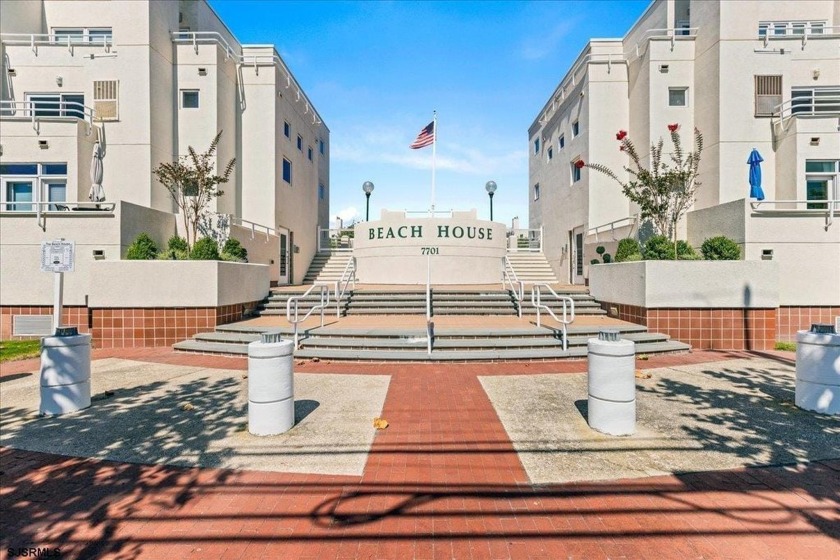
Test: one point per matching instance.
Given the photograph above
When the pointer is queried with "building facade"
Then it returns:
(747, 74)
(146, 80)
(134, 84)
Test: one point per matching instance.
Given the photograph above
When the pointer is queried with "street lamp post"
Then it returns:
(491, 190)
(368, 188)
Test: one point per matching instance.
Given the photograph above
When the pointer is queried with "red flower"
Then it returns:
(621, 135)
(673, 127)
(579, 164)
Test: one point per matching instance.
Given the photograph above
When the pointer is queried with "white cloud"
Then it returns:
(347, 215)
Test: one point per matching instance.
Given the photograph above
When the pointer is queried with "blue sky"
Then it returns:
(376, 70)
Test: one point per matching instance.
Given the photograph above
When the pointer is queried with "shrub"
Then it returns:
(234, 251)
(633, 257)
(177, 243)
(720, 248)
(594, 261)
(660, 248)
(627, 247)
(205, 249)
(600, 249)
(607, 258)
(142, 249)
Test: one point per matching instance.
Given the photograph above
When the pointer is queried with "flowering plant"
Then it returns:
(665, 191)
(579, 164)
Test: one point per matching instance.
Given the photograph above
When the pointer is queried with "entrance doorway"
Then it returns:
(576, 262)
(285, 256)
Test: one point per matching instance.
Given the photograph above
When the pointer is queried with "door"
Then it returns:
(284, 257)
(577, 256)
(55, 190)
(19, 195)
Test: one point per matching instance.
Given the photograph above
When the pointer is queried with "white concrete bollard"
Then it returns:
(612, 384)
(818, 371)
(65, 371)
(271, 386)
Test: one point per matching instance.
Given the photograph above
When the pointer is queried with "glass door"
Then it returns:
(18, 194)
(817, 188)
(55, 191)
(284, 257)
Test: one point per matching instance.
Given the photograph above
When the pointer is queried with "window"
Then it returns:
(821, 177)
(561, 142)
(287, 171)
(537, 191)
(189, 99)
(575, 171)
(768, 95)
(25, 183)
(57, 104)
(287, 130)
(321, 146)
(575, 129)
(322, 191)
(550, 153)
(537, 146)
(81, 35)
(773, 29)
(309, 153)
(678, 97)
(300, 143)
(815, 100)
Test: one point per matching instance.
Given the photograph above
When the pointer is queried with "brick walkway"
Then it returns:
(442, 481)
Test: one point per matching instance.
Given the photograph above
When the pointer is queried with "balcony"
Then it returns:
(36, 110)
(70, 40)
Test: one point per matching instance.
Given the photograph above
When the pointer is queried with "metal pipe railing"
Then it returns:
(350, 274)
(536, 301)
(429, 328)
(515, 285)
(295, 300)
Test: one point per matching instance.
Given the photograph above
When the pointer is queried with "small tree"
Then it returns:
(193, 183)
(664, 192)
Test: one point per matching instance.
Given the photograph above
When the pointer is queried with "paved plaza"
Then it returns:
(479, 461)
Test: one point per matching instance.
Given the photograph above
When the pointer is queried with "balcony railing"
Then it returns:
(35, 40)
(803, 34)
(335, 240)
(35, 111)
(829, 208)
(55, 207)
(811, 106)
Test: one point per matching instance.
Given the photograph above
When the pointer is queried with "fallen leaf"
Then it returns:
(380, 423)
(642, 374)
(187, 406)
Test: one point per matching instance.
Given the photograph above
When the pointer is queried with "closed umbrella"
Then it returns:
(754, 162)
(97, 193)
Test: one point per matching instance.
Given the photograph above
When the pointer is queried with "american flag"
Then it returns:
(425, 138)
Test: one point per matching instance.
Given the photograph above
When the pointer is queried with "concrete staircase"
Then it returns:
(444, 302)
(450, 345)
(532, 267)
(326, 267)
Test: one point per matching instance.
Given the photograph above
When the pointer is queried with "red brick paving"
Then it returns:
(442, 481)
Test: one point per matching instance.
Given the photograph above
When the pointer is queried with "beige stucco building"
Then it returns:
(747, 74)
(146, 79)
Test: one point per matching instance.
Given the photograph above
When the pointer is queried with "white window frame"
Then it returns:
(831, 177)
(58, 35)
(576, 129)
(189, 90)
(561, 141)
(63, 110)
(536, 146)
(300, 143)
(39, 182)
(684, 89)
(291, 171)
(549, 153)
(576, 175)
(287, 130)
(792, 28)
(536, 191)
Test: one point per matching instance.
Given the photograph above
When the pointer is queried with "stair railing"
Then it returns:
(324, 290)
(568, 304)
(347, 276)
(516, 286)
(429, 326)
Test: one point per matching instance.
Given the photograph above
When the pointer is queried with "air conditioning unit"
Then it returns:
(106, 100)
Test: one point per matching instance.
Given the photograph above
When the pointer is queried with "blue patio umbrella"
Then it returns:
(754, 162)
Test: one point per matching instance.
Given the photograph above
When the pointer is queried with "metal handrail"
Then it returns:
(30, 110)
(325, 301)
(633, 222)
(70, 41)
(350, 273)
(830, 207)
(510, 279)
(813, 106)
(56, 207)
(253, 226)
(429, 328)
(334, 234)
(826, 32)
(536, 301)
(529, 236)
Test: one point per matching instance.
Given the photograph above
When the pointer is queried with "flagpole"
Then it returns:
(434, 157)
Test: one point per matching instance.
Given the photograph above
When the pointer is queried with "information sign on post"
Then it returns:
(58, 257)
